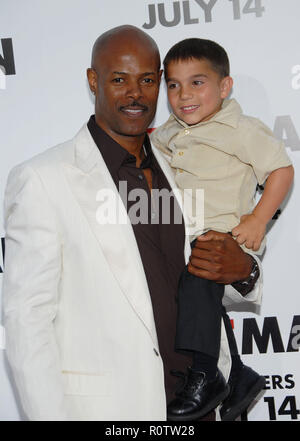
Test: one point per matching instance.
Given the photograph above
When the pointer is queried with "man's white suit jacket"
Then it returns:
(80, 332)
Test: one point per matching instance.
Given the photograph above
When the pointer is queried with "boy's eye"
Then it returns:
(197, 82)
(172, 85)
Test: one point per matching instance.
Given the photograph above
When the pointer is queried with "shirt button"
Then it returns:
(186, 132)
(155, 352)
(180, 153)
(141, 177)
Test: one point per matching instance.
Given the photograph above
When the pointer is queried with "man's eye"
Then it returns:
(197, 82)
(148, 80)
(118, 80)
(172, 85)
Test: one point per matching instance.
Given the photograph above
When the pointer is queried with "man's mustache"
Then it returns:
(134, 105)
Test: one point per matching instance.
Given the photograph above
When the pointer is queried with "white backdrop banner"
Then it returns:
(45, 48)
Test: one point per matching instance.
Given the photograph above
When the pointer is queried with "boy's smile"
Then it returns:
(195, 90)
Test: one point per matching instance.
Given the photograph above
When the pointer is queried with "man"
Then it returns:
(89, 307)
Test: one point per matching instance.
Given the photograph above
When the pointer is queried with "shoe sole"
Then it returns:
(210, 406)
(242, 406)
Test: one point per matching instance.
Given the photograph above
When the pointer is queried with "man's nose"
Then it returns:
(134, 90)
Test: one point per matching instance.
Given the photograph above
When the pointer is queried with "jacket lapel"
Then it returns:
(169, 175)
(96, 193)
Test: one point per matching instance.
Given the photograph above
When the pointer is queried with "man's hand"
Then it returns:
(217, 256)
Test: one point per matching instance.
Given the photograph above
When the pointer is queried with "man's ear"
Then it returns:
(226, 86)
(92, 79)
(160, 75)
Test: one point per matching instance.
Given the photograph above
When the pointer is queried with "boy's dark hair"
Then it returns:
(199, 49)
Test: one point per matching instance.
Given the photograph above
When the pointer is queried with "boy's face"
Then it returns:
(195, 90)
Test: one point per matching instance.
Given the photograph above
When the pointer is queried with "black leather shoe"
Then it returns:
(244, 387)
(197, 397)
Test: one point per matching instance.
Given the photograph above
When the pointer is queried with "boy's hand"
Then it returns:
(250, 231)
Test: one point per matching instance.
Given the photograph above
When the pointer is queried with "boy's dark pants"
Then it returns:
(200, 312)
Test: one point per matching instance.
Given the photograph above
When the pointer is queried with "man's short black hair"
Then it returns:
(199, 49)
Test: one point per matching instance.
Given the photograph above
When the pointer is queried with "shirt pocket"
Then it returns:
(202, 161)
(87, 384)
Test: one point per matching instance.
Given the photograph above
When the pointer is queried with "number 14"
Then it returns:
(289, 401)
(251, 6)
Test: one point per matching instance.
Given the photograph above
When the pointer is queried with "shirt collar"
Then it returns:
(114, 155)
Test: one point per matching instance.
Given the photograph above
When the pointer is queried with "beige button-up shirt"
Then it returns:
(225, 156)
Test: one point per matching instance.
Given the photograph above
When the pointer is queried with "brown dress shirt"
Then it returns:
(161, 245)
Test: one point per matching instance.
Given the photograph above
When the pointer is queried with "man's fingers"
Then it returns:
(200, 264)
(201, 253)
(203, 273)
(214, 246)
(218, 257)
(203, 238)
(206, 260)
(212, 235)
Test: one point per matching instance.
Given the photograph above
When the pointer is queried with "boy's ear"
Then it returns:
(226, 86)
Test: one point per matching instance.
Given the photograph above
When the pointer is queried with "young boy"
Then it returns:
(211, 145)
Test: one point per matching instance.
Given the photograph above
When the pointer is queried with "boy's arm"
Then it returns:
(252, 227)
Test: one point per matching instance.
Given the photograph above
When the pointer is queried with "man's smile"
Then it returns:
(134, 111)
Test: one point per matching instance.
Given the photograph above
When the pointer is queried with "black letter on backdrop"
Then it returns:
(7, 61)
